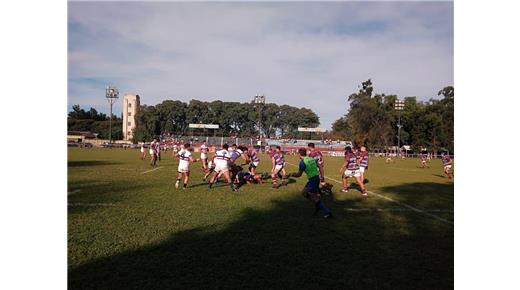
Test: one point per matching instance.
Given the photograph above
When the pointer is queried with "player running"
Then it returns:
(311, 190)
(222, 158)
(350, 168)
(185, 157)
(363, 162)
(447, 163)
(278, 166)
(204, 155)
(423, 156)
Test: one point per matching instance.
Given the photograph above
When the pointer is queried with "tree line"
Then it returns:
(93, 121)
(234, 118)
(372, 120)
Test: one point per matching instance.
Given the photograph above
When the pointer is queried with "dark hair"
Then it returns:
(302, 151)
(233, 145)
(311, 145)
(278, 147)
(187, 145)
(348, 149)
(225, 146)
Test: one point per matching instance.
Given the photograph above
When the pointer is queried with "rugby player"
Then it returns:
(278, 166)
(153, 152)
(175, 149)
(185, 157)
(210, 169)
(252, 158)
(447, 163)
(423, 156)
(311, 190)
(350, 168)
(235, 152)
(204, 155)
(363, 162)
(222, 158)
(143, 152)
(245, 177)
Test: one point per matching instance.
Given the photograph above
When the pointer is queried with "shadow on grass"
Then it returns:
(287, 247)
(82, 163)
(88, 196)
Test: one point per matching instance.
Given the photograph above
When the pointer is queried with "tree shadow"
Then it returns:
(286, 247)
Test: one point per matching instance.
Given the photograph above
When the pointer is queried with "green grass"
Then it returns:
(127, 229)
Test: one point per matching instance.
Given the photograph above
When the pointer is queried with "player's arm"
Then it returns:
(301, 169)
(344, 166)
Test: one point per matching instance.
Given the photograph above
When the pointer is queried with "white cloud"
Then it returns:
(303, 54)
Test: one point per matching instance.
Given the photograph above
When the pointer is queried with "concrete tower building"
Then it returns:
(130, 108)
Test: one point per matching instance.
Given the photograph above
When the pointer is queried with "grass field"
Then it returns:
(128, 227)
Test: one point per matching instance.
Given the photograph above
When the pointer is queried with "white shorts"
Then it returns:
(151, 152)
(184, 168)
(255, 164)
(447, 167)
(352, 173)
(362, 169)
(142, 150)
(203, 156)
(278, 167)
(221, 166)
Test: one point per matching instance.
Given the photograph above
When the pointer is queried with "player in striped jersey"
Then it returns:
(235, 152)
(252, 158)
(447, 163)
(204, 155)
(222, 158)
(363, 162)
(350, 168)
(185, 157)
(278, 166)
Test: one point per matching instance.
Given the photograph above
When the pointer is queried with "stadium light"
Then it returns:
(259, 99)
(399, 106)
(112, 94)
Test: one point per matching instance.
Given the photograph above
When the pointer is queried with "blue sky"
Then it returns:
(302, 54)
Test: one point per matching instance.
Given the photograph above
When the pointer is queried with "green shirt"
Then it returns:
(308, 164)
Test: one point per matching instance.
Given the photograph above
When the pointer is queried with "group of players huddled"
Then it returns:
(226, 163)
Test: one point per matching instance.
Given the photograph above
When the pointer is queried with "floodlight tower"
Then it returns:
(259, 101)
(112, 94)
(399, 106)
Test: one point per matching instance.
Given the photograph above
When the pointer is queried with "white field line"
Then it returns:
(90, 204)
(74, 191)
(151, 170)
(395, 201)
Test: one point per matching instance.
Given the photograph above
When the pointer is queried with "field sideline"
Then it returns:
(128, 227)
